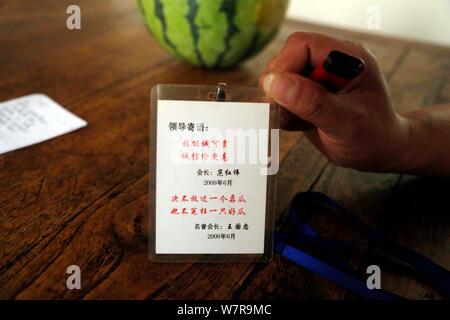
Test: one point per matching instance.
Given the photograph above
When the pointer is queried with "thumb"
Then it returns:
(304, 98)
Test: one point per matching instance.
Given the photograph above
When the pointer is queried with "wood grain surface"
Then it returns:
(82, 198)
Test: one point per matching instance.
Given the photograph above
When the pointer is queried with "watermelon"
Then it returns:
(213, 33)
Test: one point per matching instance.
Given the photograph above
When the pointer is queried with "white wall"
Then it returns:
(423, 20)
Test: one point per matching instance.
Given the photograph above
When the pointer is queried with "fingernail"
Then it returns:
(280, 88)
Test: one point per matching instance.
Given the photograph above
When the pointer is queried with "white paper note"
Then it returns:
(32, 119)
(207, 200)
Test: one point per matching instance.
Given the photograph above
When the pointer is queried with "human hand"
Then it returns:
(356, 127)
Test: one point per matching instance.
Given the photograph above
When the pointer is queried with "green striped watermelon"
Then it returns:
(213, 33)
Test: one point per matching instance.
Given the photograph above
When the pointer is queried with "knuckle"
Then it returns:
(272, 63)
(261, 80)
(363, 51)
(357, 43)
(296, 37)
(311, 103)
(360, 46)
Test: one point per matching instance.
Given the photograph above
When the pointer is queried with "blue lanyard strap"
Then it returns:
(337, 271)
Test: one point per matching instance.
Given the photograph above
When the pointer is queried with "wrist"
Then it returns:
(401, 154)
(417, 155)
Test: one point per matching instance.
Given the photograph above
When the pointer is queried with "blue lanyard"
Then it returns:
(337, 271)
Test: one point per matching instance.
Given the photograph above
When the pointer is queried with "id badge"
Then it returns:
(213, 163)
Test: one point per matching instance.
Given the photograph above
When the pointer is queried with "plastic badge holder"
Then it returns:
(215, 95)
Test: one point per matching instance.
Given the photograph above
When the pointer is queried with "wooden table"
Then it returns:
(82, 198)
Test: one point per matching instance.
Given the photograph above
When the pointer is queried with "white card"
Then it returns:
(209, 200)
(32, 119)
